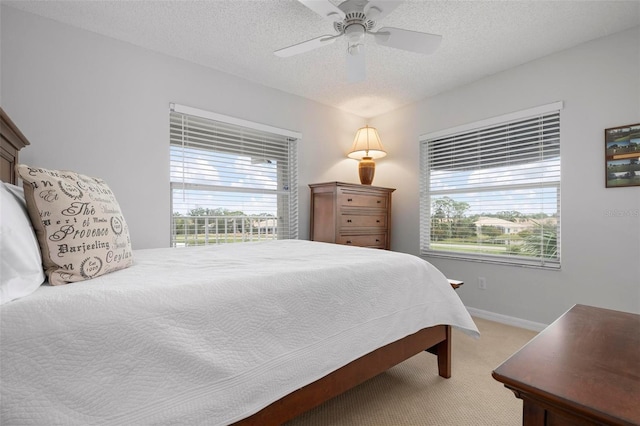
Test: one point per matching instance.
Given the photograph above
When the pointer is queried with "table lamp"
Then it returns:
(366, 147)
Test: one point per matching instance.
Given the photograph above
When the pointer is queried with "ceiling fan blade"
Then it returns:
(356, 64)
(305, 46)
(412, 41)
(378, 9)
(324, 8)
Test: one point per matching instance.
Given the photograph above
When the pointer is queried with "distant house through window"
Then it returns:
(231, 180)
(490, 191)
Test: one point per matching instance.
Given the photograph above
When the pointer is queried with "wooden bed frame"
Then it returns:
(436, 340)
(12, 141)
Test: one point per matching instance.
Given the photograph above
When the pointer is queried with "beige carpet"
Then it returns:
(412, 393)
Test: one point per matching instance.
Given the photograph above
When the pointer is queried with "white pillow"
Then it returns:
(21, 271)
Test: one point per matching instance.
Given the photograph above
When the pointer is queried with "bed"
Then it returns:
(252, 333)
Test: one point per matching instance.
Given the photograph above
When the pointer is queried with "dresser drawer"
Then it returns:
(376, 240)
(363, 220)
(347, 199)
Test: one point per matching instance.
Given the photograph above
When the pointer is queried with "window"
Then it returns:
(231, 180)
(490, 191)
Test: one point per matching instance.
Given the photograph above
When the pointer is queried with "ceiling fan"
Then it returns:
(354, 19)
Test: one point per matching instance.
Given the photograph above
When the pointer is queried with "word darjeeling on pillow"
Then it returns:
(80, 227)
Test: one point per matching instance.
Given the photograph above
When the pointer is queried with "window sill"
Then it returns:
(553, 265)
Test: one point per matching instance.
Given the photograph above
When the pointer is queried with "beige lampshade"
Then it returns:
(367, 143)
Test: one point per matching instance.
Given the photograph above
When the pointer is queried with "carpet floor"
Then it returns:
(412, 393)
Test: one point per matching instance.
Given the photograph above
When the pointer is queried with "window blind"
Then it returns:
(231, 182)
(491, 192)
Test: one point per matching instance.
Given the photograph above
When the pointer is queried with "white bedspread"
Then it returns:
(209, 335)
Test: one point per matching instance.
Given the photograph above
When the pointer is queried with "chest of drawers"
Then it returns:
(351, 214)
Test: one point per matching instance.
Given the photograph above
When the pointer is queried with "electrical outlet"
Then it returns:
(482, 283)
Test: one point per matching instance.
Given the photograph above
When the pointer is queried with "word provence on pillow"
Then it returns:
(80, 227)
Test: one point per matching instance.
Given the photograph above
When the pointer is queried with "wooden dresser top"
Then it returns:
(587, 361)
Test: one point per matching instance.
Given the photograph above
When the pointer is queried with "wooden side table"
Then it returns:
(455, 283)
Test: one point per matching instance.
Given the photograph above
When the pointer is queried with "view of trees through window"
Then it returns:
(230, 180)
(200, 226)
(454, 228)
(490, 190)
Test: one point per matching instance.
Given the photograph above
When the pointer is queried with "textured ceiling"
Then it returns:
(238, 37)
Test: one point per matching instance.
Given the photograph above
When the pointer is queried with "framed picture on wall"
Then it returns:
(622, 156)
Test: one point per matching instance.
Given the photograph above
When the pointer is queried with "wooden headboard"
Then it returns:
(12, 142)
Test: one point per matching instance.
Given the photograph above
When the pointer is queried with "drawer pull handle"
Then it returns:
(378, 221)
(349, 199)
(377, 240)
(379, 201)
(348, 220)
(348, 241)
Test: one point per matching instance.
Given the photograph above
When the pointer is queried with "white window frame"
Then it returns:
(287, 221)
(427, 192)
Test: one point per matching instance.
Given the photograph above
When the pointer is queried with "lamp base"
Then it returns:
(366, 170)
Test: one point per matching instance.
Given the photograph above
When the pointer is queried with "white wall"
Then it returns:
(101, 107)
(599, 83)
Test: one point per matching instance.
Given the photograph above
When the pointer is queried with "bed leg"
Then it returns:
(443, 351)
(444, 355)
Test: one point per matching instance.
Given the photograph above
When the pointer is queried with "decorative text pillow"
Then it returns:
(78, 222)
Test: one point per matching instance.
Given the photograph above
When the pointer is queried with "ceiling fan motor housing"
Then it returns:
(354, 22)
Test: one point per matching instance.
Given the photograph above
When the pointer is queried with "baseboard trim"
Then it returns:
(505, 319)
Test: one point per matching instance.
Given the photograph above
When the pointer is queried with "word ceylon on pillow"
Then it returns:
(80, 227)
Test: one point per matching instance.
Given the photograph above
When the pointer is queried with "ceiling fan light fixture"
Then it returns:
(354, 33)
